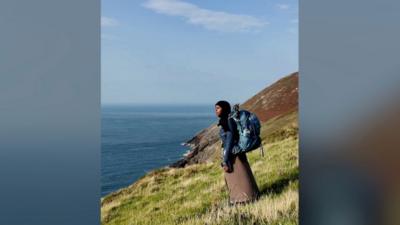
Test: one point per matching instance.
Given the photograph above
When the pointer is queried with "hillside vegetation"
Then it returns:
(196, 194)
(195, 191)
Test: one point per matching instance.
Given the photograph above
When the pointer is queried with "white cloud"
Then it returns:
(209, 19)
(108, 22)
(283, 6)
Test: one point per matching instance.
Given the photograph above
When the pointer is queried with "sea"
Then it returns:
(136, 139)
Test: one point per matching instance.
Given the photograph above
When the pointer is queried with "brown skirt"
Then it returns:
(242, 186)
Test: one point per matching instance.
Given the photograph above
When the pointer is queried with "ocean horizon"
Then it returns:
(138, 138)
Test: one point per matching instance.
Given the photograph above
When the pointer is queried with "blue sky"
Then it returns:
(181, 52)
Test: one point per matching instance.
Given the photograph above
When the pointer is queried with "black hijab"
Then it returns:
(226, 110)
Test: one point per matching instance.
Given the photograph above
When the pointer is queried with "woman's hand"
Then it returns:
(226, 168)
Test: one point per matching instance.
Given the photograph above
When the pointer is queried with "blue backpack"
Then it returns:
(249, 127)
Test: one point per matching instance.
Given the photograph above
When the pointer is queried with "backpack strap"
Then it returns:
(235, 112)
(236, 107)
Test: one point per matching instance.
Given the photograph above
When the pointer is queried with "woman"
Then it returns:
(238, 176)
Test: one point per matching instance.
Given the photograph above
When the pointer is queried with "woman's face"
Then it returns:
(218, 110)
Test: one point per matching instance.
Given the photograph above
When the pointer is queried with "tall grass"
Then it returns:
(197, 194)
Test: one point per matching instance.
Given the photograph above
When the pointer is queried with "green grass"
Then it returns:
(197, 194)
(280, 128)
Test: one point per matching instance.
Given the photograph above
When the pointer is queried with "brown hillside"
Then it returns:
(278, 99)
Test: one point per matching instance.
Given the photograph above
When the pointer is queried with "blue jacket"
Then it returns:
(229, 141)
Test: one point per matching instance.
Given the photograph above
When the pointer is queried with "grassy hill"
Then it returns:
(196, 192)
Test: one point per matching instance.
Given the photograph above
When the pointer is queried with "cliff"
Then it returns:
(275, 101)
(194, 192)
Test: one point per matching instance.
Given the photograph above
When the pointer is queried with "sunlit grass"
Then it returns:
(197, 194)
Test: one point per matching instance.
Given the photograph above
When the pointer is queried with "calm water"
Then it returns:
(137, 139)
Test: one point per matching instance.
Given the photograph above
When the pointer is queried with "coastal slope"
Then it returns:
(193, 191)
(275, 101)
